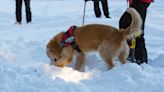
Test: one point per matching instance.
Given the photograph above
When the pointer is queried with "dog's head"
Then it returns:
(54, 48)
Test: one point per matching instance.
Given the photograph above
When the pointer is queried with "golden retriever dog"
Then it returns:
(108, 41)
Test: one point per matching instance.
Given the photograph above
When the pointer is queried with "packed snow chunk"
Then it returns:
(65, 73)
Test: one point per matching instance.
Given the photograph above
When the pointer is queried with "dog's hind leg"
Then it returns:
(80, 63)
(109, 62)
(124, 54)
(122, 57)
(107, 58)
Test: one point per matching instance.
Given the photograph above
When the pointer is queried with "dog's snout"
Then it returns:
(53, 61)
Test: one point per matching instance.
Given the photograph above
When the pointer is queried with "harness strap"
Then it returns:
(75, 46)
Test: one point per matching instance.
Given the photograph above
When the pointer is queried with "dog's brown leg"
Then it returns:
(122, 57)
(109, 63)
(107, 58)
(124, 54)
(80, 61)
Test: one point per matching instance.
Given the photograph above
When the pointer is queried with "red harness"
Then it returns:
(69, 39)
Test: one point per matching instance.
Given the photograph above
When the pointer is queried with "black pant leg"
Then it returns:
(105, 7)
(140, 50)
(18, 10)
(97, 8)
(28, 10)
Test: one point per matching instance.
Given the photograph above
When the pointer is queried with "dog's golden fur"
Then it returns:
(107, 40)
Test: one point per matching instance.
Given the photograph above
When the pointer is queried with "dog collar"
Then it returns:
(69, 39)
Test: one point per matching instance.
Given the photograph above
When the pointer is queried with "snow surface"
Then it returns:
(24, 66)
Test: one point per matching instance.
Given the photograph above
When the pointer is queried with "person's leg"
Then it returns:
(18, 11)
(105, 8)
(28, 11)
(97, 8)
(140, 50)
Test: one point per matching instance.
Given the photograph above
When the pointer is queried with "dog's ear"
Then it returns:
(54, 43)
(57, 41)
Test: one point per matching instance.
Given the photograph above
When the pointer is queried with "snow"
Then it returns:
(24, 66)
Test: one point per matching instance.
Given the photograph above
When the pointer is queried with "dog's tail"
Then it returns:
(135, 26)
